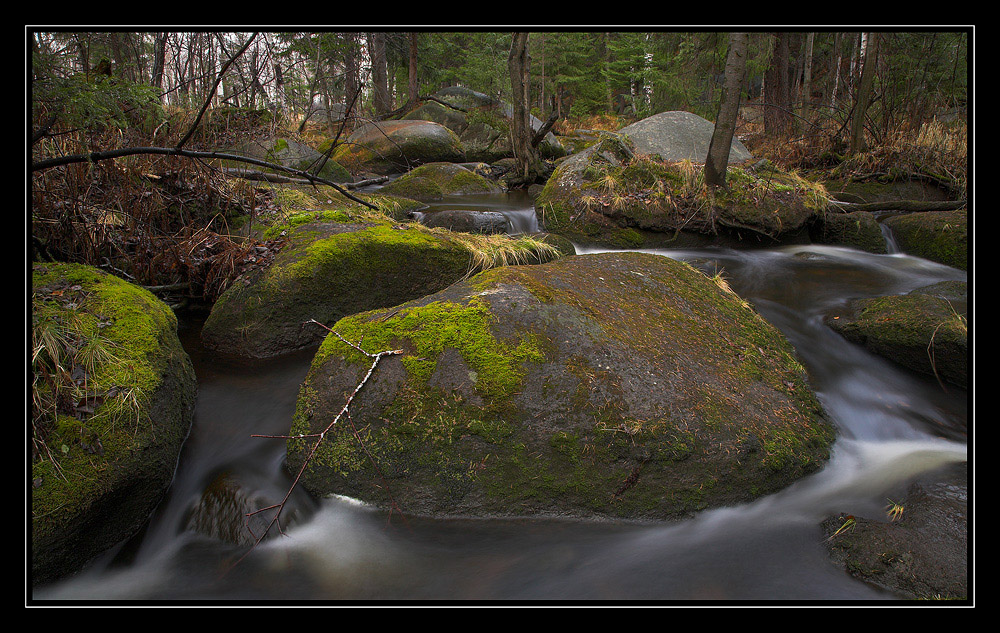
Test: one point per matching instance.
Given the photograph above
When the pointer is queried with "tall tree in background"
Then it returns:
(870, 52)
(521, 134)
(411, 97)
(805, 95)
(777, 96)
(725, 123)
(380, 80)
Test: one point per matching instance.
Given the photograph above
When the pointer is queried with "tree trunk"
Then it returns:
(777, 100)
(379, 74)
(805, 101)
(351, 83)
(521, 134)
(159, 61)
(729, 108)
(411, 98)
(835, 71)
(864, 95)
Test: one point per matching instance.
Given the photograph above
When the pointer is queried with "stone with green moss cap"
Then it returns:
(644, 186)
(925, 330)
(387, 147)
(940, 236)
(618, 385)
(431, 181)
(105, 451)
(340, 261)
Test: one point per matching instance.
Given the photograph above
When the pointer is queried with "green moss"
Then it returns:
(112, 392)
(436, 179)
(938, 236)
(429, 329)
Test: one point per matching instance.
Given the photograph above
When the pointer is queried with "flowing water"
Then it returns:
(894, 427)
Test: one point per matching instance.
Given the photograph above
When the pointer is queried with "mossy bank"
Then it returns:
(113, 394)
(618, 385)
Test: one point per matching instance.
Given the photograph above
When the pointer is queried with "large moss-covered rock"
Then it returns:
(432, 181)
(291, 153)
(644, 186)
(616, 384)
(337, 262)
(482, 123)
(113, 395)
(387, 147)
(925, 330)
(940, 236)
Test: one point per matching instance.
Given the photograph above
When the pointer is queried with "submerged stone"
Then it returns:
(620, 384)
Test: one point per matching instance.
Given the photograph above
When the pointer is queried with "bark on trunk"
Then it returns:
(725, 123)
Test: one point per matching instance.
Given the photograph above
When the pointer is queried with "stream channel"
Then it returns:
(894, 426)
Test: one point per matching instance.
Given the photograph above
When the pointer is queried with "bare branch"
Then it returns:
(94, 157)
(344, 411)
(211, 93)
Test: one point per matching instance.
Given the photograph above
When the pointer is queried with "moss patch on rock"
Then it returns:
(390, 147)
(340, 259)
(434, 180)
(857, 230)
(596, 195)
(925, 330)
(940, 236)
(113, 394)
(625, 385)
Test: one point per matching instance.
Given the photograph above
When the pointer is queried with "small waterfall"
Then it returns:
(516, 208)
(890, 240)
(521, 220)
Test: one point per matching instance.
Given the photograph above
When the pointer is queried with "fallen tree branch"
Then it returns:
(344, 411)
(94, 157)
(542, 131)
(251, 174)
(910, 206)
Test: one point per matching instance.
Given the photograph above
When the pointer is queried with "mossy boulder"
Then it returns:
(623, 184)
(434, 180)
(925, 330)
(291, 153)
(919, 554)
(113, 395)
(940, 236)
(337, 262)
(391, 147)
(608, 385)
(858, 230)
(481, 123)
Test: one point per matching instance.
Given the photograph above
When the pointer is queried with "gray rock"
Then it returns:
(679, 135)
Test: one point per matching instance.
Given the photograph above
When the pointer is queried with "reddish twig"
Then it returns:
(344, 411)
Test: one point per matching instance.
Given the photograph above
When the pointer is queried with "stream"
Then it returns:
(894, 426)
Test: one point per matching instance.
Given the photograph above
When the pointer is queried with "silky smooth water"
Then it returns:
(894, 426)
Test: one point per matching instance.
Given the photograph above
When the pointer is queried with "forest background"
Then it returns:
(102, 90)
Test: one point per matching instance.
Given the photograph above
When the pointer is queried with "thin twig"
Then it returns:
(211, 93)
(344, 411)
